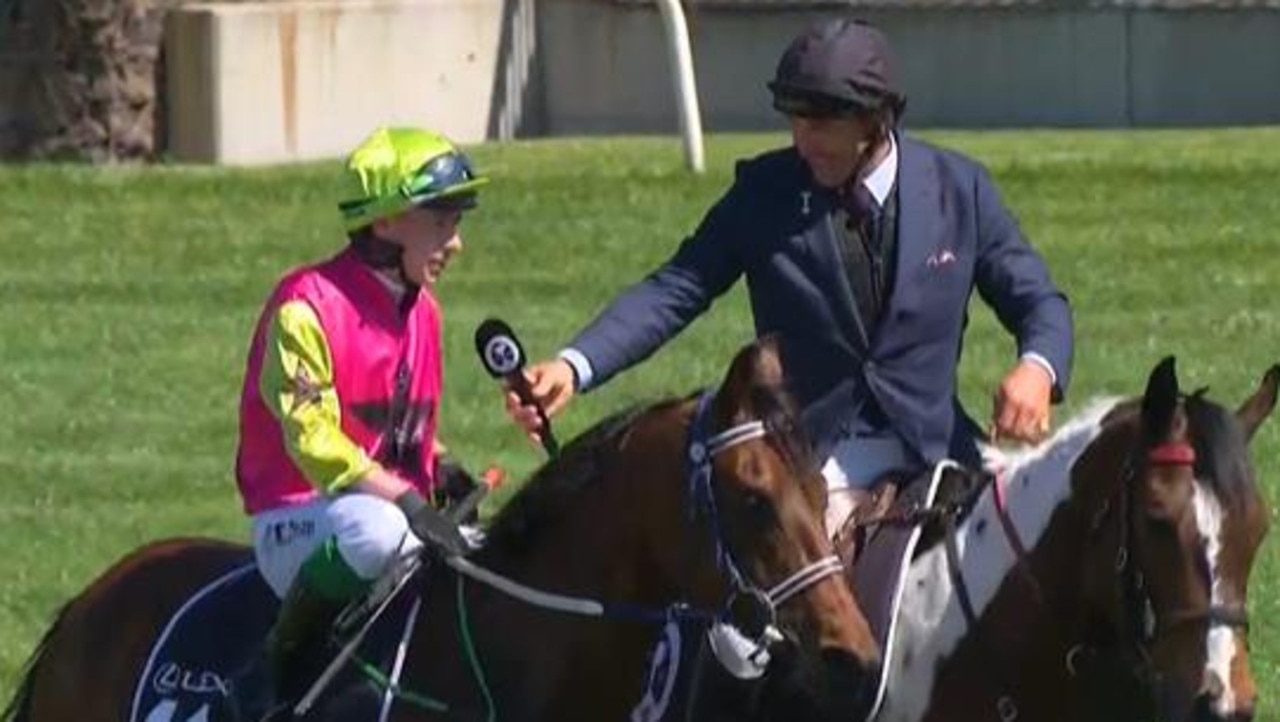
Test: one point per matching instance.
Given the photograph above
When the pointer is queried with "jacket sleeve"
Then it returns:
(1013, 279)
(657, 308)
(297, 386)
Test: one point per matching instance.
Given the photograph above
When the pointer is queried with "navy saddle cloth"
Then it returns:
(219, 632)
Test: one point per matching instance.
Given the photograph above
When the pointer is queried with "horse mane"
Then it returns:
(554, 486)
(1221, 450)
(1100, 413)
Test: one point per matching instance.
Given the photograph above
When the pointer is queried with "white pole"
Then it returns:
(686, 87)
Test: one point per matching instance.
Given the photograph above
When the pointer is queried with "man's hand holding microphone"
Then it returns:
(534, 394)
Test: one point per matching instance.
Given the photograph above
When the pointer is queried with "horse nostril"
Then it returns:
(1205, 709)
(1244, 713)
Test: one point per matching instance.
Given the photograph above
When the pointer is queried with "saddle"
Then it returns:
(900, 518)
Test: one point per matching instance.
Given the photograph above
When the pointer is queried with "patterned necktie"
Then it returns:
(865, 211)
(864, 262)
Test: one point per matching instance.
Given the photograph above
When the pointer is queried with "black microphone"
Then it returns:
(503, 358)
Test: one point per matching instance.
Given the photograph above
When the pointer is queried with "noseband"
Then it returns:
(703, 448)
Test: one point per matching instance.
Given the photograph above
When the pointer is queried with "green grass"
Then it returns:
(128, 295)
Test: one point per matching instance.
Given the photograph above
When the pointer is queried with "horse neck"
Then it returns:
(1042, 497)
(964, 672)
(1052, 500)
(1065, 675)
(603, 544)
(556, 665)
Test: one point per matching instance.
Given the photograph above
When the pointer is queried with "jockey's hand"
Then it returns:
(439, 533)
(552, 384)
(1022, 405)
(454, 480)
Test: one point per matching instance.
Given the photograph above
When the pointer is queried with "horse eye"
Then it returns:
(1161, 526)
(757, 504)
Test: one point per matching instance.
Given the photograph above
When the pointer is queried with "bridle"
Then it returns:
(703, 448)
(1130, 648)
(1140, 625)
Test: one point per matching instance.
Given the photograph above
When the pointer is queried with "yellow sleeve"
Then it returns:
(297, 386)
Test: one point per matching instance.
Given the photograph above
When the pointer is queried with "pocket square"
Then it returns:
(940, 258)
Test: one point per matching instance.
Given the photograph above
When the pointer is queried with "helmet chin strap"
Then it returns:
(384, 257)
(863, 163)
(377, 252)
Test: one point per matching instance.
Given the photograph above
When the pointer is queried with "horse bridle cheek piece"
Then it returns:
(703, 448)
(1142, 625)
(1136, 601)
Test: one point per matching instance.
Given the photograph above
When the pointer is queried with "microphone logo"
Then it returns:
(502, 355)
(503, 358)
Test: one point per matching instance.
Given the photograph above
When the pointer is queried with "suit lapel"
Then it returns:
(920, 219)
(823, 239)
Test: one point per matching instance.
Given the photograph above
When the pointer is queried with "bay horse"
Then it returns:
(622, 519)
(1102, 576)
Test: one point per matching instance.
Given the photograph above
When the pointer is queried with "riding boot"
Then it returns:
(866, 509)
(300, 634)
(267, 688)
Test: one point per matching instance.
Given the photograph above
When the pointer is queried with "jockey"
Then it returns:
(338, 458)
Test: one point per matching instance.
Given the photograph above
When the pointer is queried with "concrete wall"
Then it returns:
(606, 70)
(1206, 67)
(1002, 68)
(272, 82)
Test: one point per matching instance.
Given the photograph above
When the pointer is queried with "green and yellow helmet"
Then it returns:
(396, 169)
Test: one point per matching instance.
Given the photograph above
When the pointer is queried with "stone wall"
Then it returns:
(78, 79)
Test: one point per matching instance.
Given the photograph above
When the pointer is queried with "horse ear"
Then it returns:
(1258, 407)
(1160, 400)
(757, 365)
(768, 363)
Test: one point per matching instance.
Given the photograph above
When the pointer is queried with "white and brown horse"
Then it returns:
(1104, 577)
